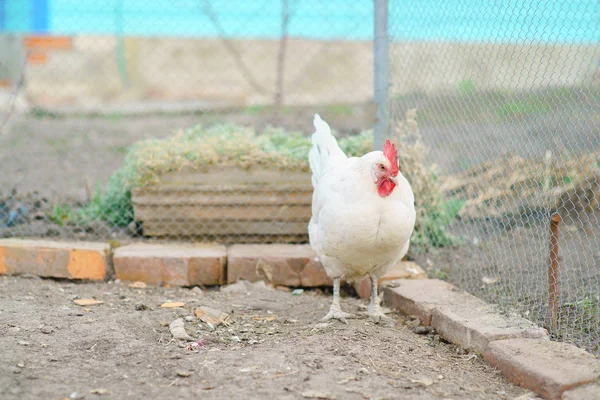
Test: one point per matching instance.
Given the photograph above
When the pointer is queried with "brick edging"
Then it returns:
(518, 348)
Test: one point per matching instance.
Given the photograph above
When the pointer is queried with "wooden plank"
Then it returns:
(144, 212)
(216, 175)
(182, 227)
(225, 196)
(256, 188)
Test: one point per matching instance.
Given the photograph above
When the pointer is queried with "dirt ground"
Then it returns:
(273, 347)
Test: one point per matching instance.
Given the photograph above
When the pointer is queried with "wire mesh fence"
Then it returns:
(507, 100)
(189, 119)
(106, 102)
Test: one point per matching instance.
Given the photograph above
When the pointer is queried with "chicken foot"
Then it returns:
(374, 311)
(335, 311)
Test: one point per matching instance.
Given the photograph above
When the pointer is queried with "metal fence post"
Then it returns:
(381, 72)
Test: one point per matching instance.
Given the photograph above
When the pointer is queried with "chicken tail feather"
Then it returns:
(325, 150)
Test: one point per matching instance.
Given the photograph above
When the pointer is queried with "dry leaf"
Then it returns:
(423, 381)
(87, 302)
(212, 316)
(138, 285)
(269, 319)
(173, 304)
(311, 394)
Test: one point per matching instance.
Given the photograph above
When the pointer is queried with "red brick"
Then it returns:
(402, 270)
(472, 324)
(585, 392)
(548, 368)
(47, 42)
(419, 297)
(80, 260)
(277, 264)
(172, 264)
(314, 275)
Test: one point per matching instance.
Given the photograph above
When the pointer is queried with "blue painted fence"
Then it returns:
(554, 21)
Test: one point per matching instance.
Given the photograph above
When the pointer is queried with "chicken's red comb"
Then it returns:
(391, 153)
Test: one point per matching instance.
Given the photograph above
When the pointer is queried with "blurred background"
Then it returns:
(130, 120)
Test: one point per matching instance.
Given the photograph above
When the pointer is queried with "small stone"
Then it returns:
(236, 339)
(283, 289)
(21, 365)
(421, 330)
(197, 291)
(188, 318)
(141, 307)
(298, 292)
(47, 330)
(24, 343)
(184, 374)
(238, 287)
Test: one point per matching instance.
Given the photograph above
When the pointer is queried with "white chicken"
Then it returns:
(363, 214)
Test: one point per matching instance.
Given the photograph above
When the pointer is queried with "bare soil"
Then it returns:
(274, 347)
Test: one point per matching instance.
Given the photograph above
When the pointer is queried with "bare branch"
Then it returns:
(12, 101)
(231, 48)
(285, 17)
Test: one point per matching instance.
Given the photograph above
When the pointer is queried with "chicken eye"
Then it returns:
(381, 167)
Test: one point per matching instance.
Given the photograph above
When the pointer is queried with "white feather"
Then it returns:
(325, 151)
(353, 230)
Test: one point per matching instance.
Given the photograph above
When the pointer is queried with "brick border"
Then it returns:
(521, 350)
(518, 348)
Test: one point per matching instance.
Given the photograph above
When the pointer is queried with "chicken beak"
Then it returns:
(394, 179)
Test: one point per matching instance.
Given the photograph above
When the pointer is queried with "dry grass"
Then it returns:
(434, 212)
(513, 185)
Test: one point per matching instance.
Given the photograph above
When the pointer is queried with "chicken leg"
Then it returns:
(335, 311)
(375, 312)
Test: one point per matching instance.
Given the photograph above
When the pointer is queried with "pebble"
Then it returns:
(238, 287)
(197, 291)
(421, 330)
(141, 307)
(188, 318)
(47, 330)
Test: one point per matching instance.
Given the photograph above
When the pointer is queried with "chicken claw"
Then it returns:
(337, 314)
(376, 315)
(374, 312)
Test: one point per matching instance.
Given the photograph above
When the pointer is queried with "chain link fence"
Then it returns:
(507, 98)
(189, 119)
(173, 119)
